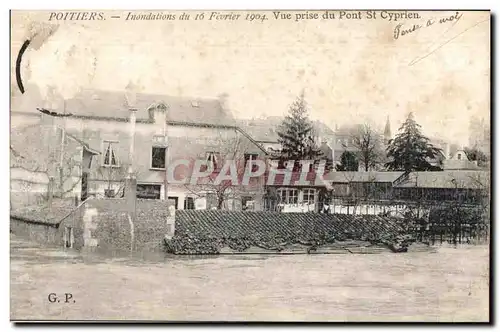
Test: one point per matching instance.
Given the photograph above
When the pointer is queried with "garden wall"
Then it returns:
(101, 225)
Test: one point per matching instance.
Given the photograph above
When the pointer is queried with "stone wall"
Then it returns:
(108, 225)
(37, 232)
(101, 225)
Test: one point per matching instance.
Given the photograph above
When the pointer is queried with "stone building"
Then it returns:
(167, 129)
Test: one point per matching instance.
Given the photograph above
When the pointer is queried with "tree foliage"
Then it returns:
(295, 135)
(410, 149)
(475, 154)
(348, 162)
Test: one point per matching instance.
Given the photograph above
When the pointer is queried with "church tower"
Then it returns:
(387, 131)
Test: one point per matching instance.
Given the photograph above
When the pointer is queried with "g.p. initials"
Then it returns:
(66, 298)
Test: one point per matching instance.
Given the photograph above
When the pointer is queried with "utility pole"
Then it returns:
(131, 181)
(132, 139)
(165, 134)
(61, 159)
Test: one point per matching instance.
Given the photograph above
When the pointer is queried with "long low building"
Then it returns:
(396, 192)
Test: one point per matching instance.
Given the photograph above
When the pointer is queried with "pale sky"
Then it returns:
(351, 70)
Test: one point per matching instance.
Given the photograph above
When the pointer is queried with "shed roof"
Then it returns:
(446, 179)
(348, 177)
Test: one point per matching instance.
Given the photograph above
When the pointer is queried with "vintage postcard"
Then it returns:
(250, 166)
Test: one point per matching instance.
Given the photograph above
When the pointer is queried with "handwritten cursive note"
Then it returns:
(401, 30)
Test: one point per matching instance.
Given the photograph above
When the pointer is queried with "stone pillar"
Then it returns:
(170, 219)
(131, 194)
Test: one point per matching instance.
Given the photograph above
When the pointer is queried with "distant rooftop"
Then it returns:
(265, 129)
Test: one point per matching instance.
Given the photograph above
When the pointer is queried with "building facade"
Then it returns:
(167, 130)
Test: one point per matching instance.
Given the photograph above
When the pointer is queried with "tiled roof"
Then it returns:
(215, 224)
(347, 177)
(40, 214)
(447, 179)
(112, 104)
(264, 130)
(180, 109)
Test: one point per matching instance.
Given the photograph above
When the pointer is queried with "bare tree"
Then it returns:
(31, 146)
(226, 150)
(114, 177)
(368, 142)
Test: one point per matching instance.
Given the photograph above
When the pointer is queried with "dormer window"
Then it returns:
(161, 106)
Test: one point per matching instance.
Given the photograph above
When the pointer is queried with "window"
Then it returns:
(459, 156)
(288, 196)
(148, 191)
(249, 158)
(246, 203)
(158, 157)
(189, 203)
(159, 152)
(309, 196)
(315, 165)
(110, 159)
(212, 159)
(282, 195)
(175, 199)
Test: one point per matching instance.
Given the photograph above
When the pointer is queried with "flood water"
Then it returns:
(449, 285)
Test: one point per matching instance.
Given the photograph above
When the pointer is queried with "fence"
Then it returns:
(431, 221)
